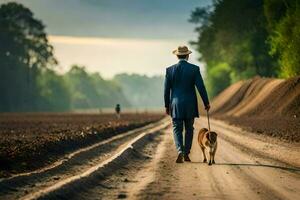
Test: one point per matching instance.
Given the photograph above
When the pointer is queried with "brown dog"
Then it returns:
(208, 139)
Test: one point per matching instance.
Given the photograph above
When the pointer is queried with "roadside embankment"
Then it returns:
(262, 105)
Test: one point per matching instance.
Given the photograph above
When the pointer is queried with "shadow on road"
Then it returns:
(261, 165)
(291, 169)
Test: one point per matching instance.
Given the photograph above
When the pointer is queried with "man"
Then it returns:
(118, 111)
(181, 100)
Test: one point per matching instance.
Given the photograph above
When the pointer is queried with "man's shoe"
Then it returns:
(179, 158)
(187, 158)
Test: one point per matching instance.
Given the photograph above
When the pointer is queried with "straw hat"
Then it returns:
(182, 50)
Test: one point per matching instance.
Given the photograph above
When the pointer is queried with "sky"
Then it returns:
(116, 36)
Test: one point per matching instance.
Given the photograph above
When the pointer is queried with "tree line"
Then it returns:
(241, 39)
(29, 82)
(142, 91)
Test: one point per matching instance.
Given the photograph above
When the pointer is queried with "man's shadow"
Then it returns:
(291, 169)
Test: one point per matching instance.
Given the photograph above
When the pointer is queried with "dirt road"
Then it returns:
(238, 174)
(141, 165)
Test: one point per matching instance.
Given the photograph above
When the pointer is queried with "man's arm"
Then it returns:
(167, 92)
(201, 88)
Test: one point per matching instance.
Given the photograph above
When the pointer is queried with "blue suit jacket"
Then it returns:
(179, 93)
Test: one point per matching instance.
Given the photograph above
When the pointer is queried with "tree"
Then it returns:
(54, 93)
(24, 50)
(84, 94)
(92, 91)
(233, 34)
(219, 80)
(284, 28)
(142, 91)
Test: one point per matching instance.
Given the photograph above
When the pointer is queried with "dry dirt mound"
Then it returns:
(264, 105)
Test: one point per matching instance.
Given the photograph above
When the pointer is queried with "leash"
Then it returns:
(208, 120)
(208, 125)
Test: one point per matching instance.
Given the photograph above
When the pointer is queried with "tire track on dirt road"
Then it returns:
(74, 164)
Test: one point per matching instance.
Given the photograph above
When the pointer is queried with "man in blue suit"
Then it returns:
(181, 100)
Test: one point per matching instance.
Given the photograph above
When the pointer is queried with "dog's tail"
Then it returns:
(203, 130)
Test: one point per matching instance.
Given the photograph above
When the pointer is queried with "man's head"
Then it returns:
(185, 57)
(182, 52)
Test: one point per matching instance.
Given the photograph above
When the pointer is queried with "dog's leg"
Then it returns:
(213, 156)
(214, 153)
(210, 156)
(204, 156)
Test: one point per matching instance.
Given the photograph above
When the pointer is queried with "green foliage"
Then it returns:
(233, 34)
(142, 91)
(81, 88)
(284, 27)
(92, 91)
(55, 95)
(24, 51)
(219, 78)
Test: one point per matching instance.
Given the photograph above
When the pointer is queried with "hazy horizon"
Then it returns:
(111, 56)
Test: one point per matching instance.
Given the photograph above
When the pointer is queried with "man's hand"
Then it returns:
(167, 111)
(207, 107)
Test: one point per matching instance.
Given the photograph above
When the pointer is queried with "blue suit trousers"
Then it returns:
(188, 125)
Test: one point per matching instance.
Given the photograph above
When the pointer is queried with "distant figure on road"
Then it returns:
(181, 100)
(118, 111)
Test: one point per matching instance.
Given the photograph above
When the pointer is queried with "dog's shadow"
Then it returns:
(291, 169)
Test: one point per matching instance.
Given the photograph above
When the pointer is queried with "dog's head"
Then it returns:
(212, 137)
